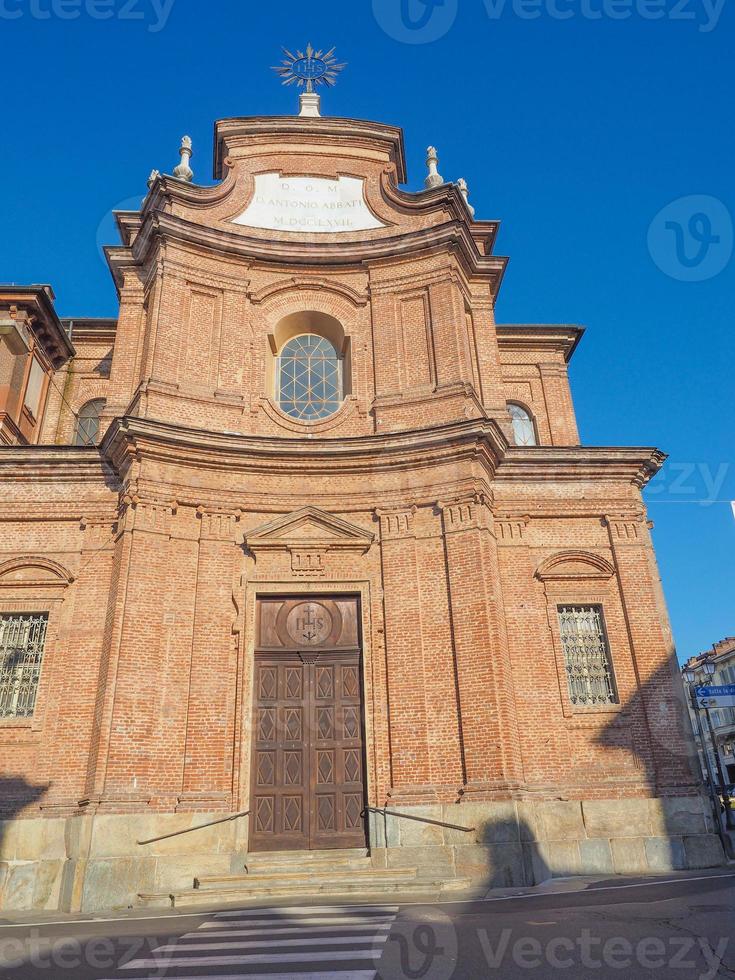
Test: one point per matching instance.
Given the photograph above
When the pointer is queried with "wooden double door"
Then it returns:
(307, 771)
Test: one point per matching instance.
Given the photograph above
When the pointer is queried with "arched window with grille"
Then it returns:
(310, 380)
(87, 431)
(524, 429)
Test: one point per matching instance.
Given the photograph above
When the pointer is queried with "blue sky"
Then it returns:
(575, 130)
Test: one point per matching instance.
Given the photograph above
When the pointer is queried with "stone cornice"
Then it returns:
(635, 465)
(453, 235)
(229, 133)
(561, 337)
(131, 438)
(68, 464)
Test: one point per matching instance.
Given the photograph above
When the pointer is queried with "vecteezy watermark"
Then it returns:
(415, 21)
(65, 956)
(691, 239)
(422, 945)
(562, 953)
(690, 483)
(153, 13)
(424, 21)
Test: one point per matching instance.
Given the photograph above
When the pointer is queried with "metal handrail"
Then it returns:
(410, 816)
(199, 826)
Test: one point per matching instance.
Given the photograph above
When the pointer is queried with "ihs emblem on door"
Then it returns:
(309, 623)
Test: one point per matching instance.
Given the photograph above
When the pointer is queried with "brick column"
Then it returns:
(409, 742)
(129, 341)
(559, 405)
(134, 678)
(487, 705)
(210, 723)
(70, 713)
(654, 657)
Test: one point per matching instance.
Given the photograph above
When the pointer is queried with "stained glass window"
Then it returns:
(524, 431)
(309, 378)
(586, 656)
(22, 639)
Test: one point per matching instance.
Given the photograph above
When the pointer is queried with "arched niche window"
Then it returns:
(311, 376)
(524, 430)
(87, 431)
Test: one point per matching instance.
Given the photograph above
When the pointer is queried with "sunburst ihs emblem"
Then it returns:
(309, 68)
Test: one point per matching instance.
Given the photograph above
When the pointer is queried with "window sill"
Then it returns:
(272, 409)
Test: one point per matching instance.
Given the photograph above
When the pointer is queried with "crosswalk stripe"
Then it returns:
(269, 958)
(332, 975)
(335, 920)
(257, 937)
(259, 943)
(307, 910)
(278, 931)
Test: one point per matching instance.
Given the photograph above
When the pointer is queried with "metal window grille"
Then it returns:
(22, 639)
(587, 656)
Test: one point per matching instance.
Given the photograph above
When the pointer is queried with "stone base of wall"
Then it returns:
(94, 862)
(527, 843)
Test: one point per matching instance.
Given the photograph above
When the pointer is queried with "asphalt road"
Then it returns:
(661, 929)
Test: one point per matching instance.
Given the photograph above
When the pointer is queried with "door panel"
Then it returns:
(307, 773)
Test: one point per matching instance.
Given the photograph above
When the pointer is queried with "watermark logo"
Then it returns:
(154, 14)
(421, 946)
(691, 239)
(424, 21)
(415, 21)
(108, 232)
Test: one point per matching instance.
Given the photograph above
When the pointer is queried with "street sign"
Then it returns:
(726, 702)
(716, 691)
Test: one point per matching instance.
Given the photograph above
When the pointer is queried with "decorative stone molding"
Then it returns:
(463, 513)
(33, 571)
(218, 525)
(511, 530)
(153, 517)
(624, 530)
(574, 565)
(396, 523)
(308, 535)
(321, 284)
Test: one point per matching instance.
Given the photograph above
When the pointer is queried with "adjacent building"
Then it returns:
(722, 656)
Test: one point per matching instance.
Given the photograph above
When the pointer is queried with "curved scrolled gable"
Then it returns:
(575, 565)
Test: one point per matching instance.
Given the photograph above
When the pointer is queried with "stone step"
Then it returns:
(314, 876)
(288, 861)
(375, 889)
(336, 854)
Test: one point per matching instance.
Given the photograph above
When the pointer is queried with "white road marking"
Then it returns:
(327, 920)
(269, 958)
(278, 931)
(319, 941)
(297, 910)
(332, 975)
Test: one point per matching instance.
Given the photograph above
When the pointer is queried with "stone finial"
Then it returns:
(155, 174)
(310, 104)
(184, 171)
(434, 179)
(465, 192)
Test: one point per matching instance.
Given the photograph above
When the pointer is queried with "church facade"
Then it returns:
(305, 539)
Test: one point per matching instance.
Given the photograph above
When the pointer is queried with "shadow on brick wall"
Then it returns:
(16, 796)
(653, 729)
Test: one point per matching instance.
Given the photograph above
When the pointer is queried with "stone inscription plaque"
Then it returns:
(314, 205)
